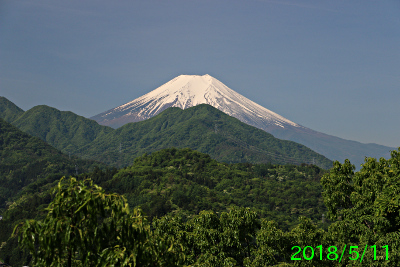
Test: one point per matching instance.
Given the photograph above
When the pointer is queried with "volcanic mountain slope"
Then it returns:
(191, 90)
(186, 91)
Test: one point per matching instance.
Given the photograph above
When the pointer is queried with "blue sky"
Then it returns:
(332, 66)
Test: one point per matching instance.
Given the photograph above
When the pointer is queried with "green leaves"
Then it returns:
(86, 226)
(338, 186)
(365, 205)
(209, 239)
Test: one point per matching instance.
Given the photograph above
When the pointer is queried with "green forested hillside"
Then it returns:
(25, 159)
(175, 180)
(202, 128)
(205, 129)
(64, 130)
(28, 169)
(8, 110)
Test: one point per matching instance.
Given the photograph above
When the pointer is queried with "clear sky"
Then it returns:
(330, 65)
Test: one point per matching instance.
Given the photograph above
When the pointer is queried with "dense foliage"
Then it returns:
(186, 182)
(205, 129)
(173, 180)
(29, 167)
(363, 207)
(86, 227)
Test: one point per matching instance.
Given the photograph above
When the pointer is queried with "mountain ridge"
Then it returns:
(64, 130)
(188, 90)
(205, 129)
(8, 110)
(74, 134)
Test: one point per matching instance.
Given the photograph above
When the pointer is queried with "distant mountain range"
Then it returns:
(186, 91)
(202, 128)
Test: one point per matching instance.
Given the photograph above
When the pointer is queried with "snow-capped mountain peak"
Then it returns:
(187, 91)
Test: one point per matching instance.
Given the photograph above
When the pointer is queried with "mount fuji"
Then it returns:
(187, 91)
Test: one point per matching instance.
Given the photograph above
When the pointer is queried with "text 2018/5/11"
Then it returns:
(332, 255)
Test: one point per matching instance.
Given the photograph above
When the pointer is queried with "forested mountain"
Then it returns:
(25, 159)
(186, 91)
(8, 110)
(202, 128)
(28, 169)
(64, 130)
(205, 129)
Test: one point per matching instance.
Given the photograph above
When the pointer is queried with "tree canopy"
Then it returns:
(365, 205)
(85, 226)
